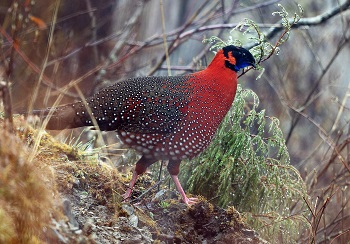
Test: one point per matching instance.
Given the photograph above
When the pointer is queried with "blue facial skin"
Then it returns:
(243, 57)
(244, 64)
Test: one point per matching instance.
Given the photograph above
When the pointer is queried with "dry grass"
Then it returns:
(31, 190)
(26, 192)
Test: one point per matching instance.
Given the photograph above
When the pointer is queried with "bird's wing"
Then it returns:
(143, 105)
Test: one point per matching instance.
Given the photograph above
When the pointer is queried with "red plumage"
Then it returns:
(164, 118)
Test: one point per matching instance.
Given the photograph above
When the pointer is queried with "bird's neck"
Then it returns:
(226, 78)
(217, 84)
(218, 65)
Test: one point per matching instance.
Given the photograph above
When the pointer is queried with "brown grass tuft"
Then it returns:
(25, 195)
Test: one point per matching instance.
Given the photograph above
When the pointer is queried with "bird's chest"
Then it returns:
(207, 108)
(208, 104)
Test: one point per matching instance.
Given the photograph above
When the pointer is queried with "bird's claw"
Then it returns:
(126, 196)
(191, 201)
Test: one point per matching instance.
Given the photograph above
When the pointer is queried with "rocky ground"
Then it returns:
(83, 202)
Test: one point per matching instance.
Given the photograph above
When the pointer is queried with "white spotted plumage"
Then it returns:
(170, 118)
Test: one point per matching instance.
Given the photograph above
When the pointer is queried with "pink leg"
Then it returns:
(127, 194)
(188, 201)
(140, 168)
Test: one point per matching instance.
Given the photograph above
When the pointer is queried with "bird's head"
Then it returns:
(237, 58)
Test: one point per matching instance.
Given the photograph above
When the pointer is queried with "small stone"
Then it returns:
(128, 209)
(133, 220)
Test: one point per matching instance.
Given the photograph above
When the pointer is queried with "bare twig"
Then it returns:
(312, 21)
(324, 135)
(36, 89)
(45, 80)
(48, 50)
(173, 44)
(316, 85)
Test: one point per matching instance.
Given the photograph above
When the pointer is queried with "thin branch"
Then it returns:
(173, 45)
(46, 58)
(312, 21)
(340, 148)
(45, 80)
(180, 33)
(324, 135)
(316, 85)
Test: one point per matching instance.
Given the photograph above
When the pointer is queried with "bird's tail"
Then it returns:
(64, 117)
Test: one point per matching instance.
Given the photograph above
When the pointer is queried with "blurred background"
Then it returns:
(47, 45)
